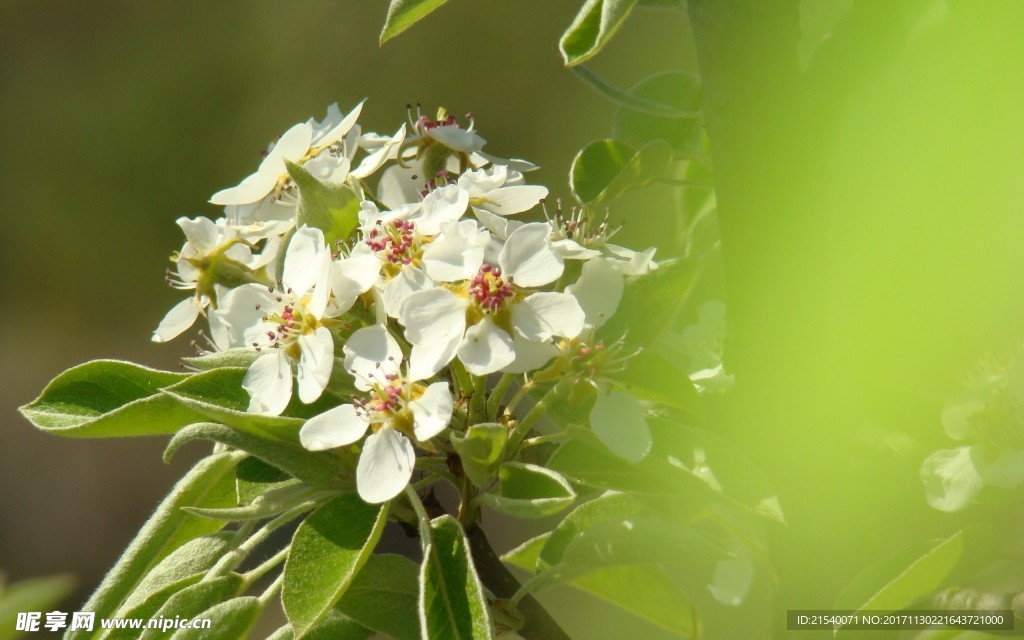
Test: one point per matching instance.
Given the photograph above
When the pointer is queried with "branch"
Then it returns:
(496, 577)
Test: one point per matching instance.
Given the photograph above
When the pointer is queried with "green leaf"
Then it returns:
(270, 504)
(332, 209)
(148, 607)
(333, 626)
(384, 597)
(610, 506)
(528, 491)
(231, 620)
(676, 88)
(193, 601)
(526, 555)
(328, 550)
(309, 466)
(903, 578)
(647, 591)
(239, 357)
(108, 398)
(195, 556)
(650, 303)
(34, 594)
(480, 449)
(594, 25)
(605, 169)
(452, 605)
(209, 484)
(218, 395)
(402, 14)
(253, 478)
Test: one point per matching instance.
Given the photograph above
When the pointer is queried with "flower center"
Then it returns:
(490, 290)
(396, 243)
(387, 403)
(291, 320)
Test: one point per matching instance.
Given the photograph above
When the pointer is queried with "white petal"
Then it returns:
(269, 383)
(334, 428)
(530, 355)
(598, 290)
(427, 359)
(306, 261)
(385, 466)
(618, 421)
(202, 233)
(328, 169)
(634, 263)
(499, 226)
(516, 199)
(181, 316)
(514, 164)
(353, 276)
(292, 146)
(328, 138)
(457, 138)
(486, 348)
(248, 191)
(315, 364)
(529, 257)
(432, 411)
(457, 254)
(951, 478)
(547, 314)
(444, 204)
(408, 281)
(376, 160)
(240, 309)
(483, 181)
(398, 187)
(371, 353)
(432, 316)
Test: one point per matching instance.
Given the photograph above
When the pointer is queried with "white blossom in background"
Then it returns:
(302, 143)
(209, 246)
(490, 317)
(287, 324)
(395, 409)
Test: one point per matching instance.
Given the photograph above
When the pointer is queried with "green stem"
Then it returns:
(271, 591)
(531, 417)
(461, 378)
(498, 394)
(630, 101)
(517, 398)
(235, 557)
(421, 513)
(477, 403)
(252, 576)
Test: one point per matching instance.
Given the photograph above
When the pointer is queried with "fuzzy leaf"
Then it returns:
(230, 620)
(193, 601)
(680, 90)
(529, 491)
(209, 484)
(605, 169)
(903, 578)
(384, 596)
(328, 550)
(332, 209)
(238, 357)
(594, 25)
(309, 466)
(109, 398)
(480, 450)
(195, 556)
(402, 14)
(452, 605)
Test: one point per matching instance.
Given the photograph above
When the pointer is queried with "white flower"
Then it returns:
(488, 318)
(395, 409)
(300, 143)
(288, 323)
(211, 249)
(500, 191)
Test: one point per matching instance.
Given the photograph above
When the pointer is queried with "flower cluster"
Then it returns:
(416, 278)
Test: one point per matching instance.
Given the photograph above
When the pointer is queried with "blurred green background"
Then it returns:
(121, 116)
